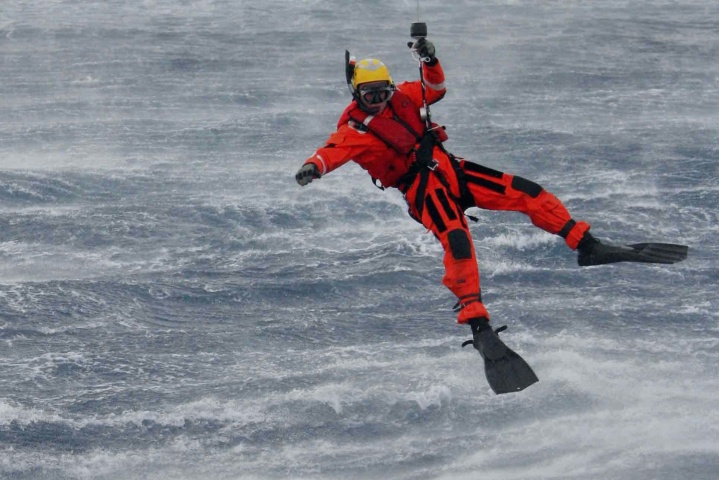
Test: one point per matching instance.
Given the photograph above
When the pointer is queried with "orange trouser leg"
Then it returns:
(438, 212)
(494, 190)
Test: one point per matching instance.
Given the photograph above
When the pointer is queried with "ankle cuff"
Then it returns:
(472, 311)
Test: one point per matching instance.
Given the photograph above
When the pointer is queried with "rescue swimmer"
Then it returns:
(383, 131)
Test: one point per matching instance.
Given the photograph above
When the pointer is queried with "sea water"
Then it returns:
(174, 306)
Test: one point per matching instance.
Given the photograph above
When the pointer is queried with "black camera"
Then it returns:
(418, 30)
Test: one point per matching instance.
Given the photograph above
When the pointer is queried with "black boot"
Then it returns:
(486, 340)
(586, 247)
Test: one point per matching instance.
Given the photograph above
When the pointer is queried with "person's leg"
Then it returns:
(495, 190)
(438, 212)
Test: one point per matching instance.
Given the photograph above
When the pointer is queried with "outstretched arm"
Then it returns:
(342, 146)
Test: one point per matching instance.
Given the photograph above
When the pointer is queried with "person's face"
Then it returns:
(374, 95)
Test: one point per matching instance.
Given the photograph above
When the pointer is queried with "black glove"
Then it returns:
(425, 49)
(307, 173)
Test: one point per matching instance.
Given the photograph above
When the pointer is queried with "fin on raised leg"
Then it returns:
(599, 253)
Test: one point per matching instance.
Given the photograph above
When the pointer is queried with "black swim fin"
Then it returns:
(506, 371)
(599, 253)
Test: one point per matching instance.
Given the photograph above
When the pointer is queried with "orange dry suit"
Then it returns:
(396, 150)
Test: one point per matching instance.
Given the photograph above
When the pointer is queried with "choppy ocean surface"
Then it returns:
(174, 306)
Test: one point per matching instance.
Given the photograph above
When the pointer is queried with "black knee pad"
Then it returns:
(459, 244)
(527, 186)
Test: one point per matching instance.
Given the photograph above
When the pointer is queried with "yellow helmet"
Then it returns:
(370, 70)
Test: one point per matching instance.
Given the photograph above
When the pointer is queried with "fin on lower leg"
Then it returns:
(509, 374)
(505, 370)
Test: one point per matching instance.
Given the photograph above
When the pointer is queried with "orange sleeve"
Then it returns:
(343, 145)
(433, 81)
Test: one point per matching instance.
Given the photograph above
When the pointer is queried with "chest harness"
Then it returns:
(405, 132)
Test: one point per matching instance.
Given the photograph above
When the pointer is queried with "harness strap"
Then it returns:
(424, 164)
(465, 196)
(421, 189)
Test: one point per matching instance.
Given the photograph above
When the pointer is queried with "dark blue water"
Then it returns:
(174, 306)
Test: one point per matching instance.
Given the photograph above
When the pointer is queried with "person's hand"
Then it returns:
(307, 173)
(425, 49)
